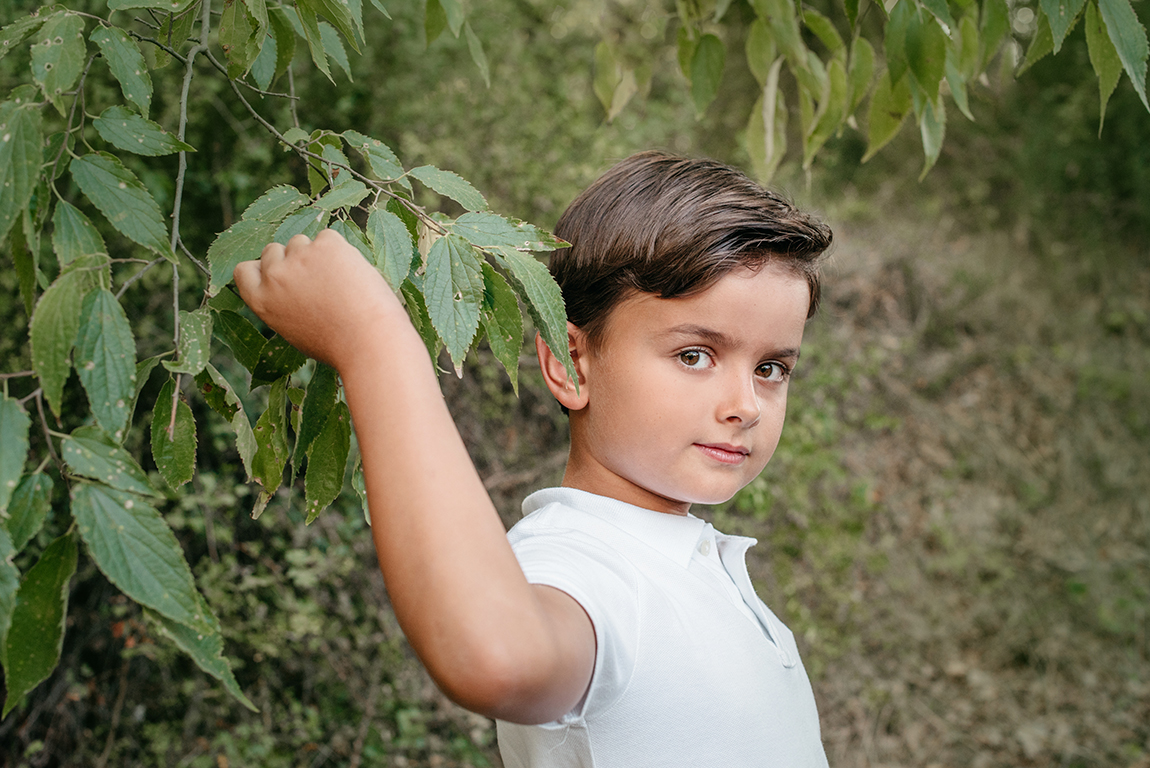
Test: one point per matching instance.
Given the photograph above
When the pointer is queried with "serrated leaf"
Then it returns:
(321, 396)
(13, 34)
(417, 311)
(475, 48)
(243, 339)
(309, 23)
(926, 46)
(861, 72)
(1129, 38)
(36, 634)
(221, 390)
(379, 156)
(127, 65)
(242, 241)
(888, 108)
(1040, 45)
(285, 38)
(26, 266)
(9, 585)
(451, 185)
(28, 508)
(543, 299)
(434, 21)
(20, 158)
(58, 51)
(259, 13)
(502, 322)
(14, 424)
(338, 12)
(96, 456)
(53, 332)
(492, 230)
(1103, 58)
(275, 204)
(1061, 15)
(453, 289)
(195, 342)
(761, 50)
(277, 359)
(706, 71)
(205, 647)
(994, 27)
(354, 236)
(73, 235)
(123, 128)
(327, 462)
(106, 360)
(347, 195)
(123, 199)
(133, 546)
(392, 246)
(333, 46)
(175, 453)
(175, 28)
(271, 439)
(932, 125)
(263, 69)
(239, 36)
(306, 221)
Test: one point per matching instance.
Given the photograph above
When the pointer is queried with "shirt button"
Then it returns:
(705, 547)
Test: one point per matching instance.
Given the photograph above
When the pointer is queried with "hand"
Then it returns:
(322, 295)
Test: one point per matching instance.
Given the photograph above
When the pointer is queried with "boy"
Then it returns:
(616, 630)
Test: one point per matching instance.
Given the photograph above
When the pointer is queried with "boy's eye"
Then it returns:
(694, 358)
(772, 371)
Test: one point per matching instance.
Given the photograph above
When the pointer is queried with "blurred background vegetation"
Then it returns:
(956, 524)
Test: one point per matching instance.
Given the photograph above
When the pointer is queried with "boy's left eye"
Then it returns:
(772, 371)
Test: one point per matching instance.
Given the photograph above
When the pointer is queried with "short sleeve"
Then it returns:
(604, 583)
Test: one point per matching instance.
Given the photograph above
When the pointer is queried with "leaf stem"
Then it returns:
(193, 259)
(17, 375)
(39, 395)
(138, 275)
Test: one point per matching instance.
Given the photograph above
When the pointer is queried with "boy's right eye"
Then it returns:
(694, 358)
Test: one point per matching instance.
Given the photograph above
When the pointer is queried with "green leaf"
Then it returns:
(195, 342)
(338, 12)
(1103, 58)
(957, 84)
(106, 360)
(271, 439)
(305, 12)
(93, 454)
(360, 486)
(968, 50)
(888, 108)
(327, 462)
(242, 338)
(995, 27)
(333, 46)
(453, 9)
(58, 52)
(175, 28)
(284, 37)
(13, 34)
(239, 36)
(832, 111)
(543, 299)
(53, 332)
(259, 12)
(242, 241)
(36, 635)
(502, 322)
(277, 359)
(926, 46)
(434, 21)
(26, 266)
(144, 370)
(124, 201)
(861, 72)
(275, 204)
(417, 311)
(133, 546)
(1040, 45)
(307, 221)
(174, 454)
(940, 9)
(379, 156)
(1061, 15)
(322, 393)
(20, 158)
(475, 48)
(346, 195)
(894, 45)
(767, 128)
(14, 424)
(932, 125)
(9, 585)
(127, 65)
(761, 50)
(1129, 38)
(706, 72)
(492, 230)
(685, 51)
(28, 508)
(852, 9)
(380, 7)
(451, 185)
(205, 647)
(216, 389)
(824, 29)
(453, 289)
(607, 75)
(73, 235)
(171, 6)
(392, 246)
(126, 130)
(353, 235)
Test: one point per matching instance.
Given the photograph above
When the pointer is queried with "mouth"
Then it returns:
(724, 452)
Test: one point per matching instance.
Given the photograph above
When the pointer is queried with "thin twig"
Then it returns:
(138, 275)
(192, 258)
(17, 374)
(170, 51)
(44, 423)
(117, 708)
(71, 115)
(291, 91)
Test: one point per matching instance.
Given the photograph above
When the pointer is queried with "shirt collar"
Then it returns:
(673, 536)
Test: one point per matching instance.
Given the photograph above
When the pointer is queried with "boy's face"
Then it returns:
(685, 397)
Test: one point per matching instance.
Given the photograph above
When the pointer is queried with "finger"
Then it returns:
(272, 252)
(248, 277)
(297, 242)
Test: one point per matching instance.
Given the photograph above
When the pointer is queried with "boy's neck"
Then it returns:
(589, 476)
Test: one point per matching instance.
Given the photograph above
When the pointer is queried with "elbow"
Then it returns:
(504, 683)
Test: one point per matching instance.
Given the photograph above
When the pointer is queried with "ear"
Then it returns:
(570, 396)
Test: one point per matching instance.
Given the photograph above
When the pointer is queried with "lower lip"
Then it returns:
(721, 455)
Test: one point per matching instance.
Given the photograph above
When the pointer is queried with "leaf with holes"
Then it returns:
(271, 439)
(106, 360)
(195, 344)
(275, 204)
(13, 34)
(126, 130)
(216, 391)
(322, 394)
(124, 201)
(242, 241)
(90, 453)
(492, 230)
(379, 156)
(241, 336)
(58, 52)
(543, 299)
(327, 462)
(20, 157)
(175, 453)
(451, 185)
(277, 359)
(36, 634)
(346, 195)
(127, 65)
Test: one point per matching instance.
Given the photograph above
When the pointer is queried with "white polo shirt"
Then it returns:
(691, 668)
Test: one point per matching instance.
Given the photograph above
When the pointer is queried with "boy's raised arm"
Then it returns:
(494, 643)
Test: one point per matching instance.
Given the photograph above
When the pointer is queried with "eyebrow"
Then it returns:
(720, 339)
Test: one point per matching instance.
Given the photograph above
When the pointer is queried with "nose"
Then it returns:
(740, 402)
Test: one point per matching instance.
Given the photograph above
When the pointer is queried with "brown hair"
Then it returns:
(672, 226)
